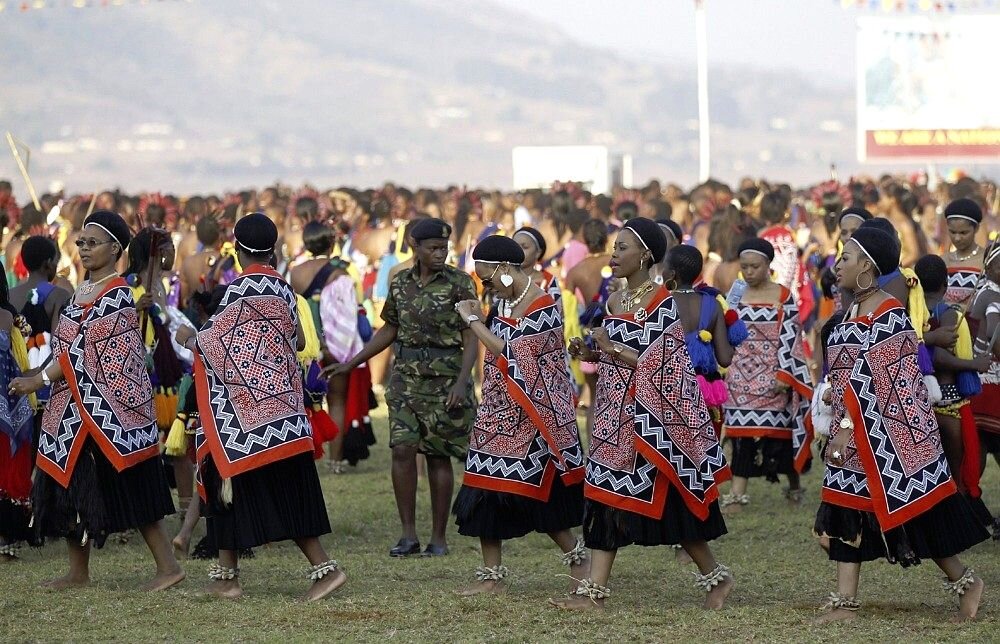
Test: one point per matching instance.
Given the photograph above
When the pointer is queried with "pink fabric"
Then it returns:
(575, 253)
(338, 311)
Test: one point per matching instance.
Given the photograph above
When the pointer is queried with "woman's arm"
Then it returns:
(720, 338)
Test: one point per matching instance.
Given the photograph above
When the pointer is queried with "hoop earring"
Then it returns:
(671, 285)
(871, 282)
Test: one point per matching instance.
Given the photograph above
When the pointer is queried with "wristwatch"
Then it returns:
(472, 318)
(46, 381)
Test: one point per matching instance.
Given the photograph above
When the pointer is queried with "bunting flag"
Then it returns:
(919, 6)
(36, 5)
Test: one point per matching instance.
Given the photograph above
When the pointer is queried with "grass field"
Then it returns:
(782, 576)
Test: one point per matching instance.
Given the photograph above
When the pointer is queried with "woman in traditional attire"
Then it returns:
(150, 260)
(655, 460)
(524, 468)
(16, 424)
(956, 371)
(331, 292)
(965, 262)
(255, 443)
(99, 470)
(983, 316)
(770, 389)
(711, 331)
(887, 490)
(532, 243)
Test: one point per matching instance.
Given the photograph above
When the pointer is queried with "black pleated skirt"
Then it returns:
(764, 457)
(608, 528)
(276, 502)
(503, 515)
(947, 529)
(100, 501)
(14, 521)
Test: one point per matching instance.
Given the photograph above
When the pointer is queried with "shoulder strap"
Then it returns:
(320, 279)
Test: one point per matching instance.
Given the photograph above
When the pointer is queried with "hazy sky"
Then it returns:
(813, 36)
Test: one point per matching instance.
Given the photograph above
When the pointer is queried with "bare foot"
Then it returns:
(716, 597)
(181, 547)
(578, 573)
(63, 583)
(164, 580)
(577, 602)
(323, 587)
(483, 587)
(226, 589)
(968, 603)
(733, 508)
(682, 557)
(836, 615)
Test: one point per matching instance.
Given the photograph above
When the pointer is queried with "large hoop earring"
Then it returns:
(871, 282)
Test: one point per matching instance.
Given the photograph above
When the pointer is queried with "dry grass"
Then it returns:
(781, 578)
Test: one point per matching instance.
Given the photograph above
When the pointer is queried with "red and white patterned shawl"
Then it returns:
(106, 394)
(247, 377)
(894, 465)
(525, 430)
(773, 352)
(652, 429)
(962, 282)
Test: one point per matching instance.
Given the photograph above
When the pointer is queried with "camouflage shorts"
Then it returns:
(420, 419)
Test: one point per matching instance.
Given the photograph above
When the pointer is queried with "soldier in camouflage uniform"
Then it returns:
(430, 396)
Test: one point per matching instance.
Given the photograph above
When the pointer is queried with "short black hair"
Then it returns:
(773, 207)
(932, 273)
(307, 208)
(595, 235)
(37, 250)
(207, 230)
(686, 262)
(317, 237)
(626, 210)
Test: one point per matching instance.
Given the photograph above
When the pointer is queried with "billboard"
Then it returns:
(927, 88)
(593, 166)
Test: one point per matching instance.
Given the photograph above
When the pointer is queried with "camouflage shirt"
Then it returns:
(424, 315)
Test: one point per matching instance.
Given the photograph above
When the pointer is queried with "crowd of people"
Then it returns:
(602, 366)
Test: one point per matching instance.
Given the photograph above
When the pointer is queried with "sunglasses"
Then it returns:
(91, 243)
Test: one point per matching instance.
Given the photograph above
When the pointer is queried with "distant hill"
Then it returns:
(211, 95)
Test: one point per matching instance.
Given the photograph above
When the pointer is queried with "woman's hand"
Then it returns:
(184, 333)
(144, 302)
(836, 449)
(468, 308)
(26, 385)
(577, 349)
(338, 369)
(945, 336)
(603, 340)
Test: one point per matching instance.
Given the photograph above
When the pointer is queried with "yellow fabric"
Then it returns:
(229, 250)
(916, 307)
(402, 255)
(572, 329)
(19, 350)
(138, 292)
(963, 347)
(176, 444)
(352, 270)
(312, 350)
